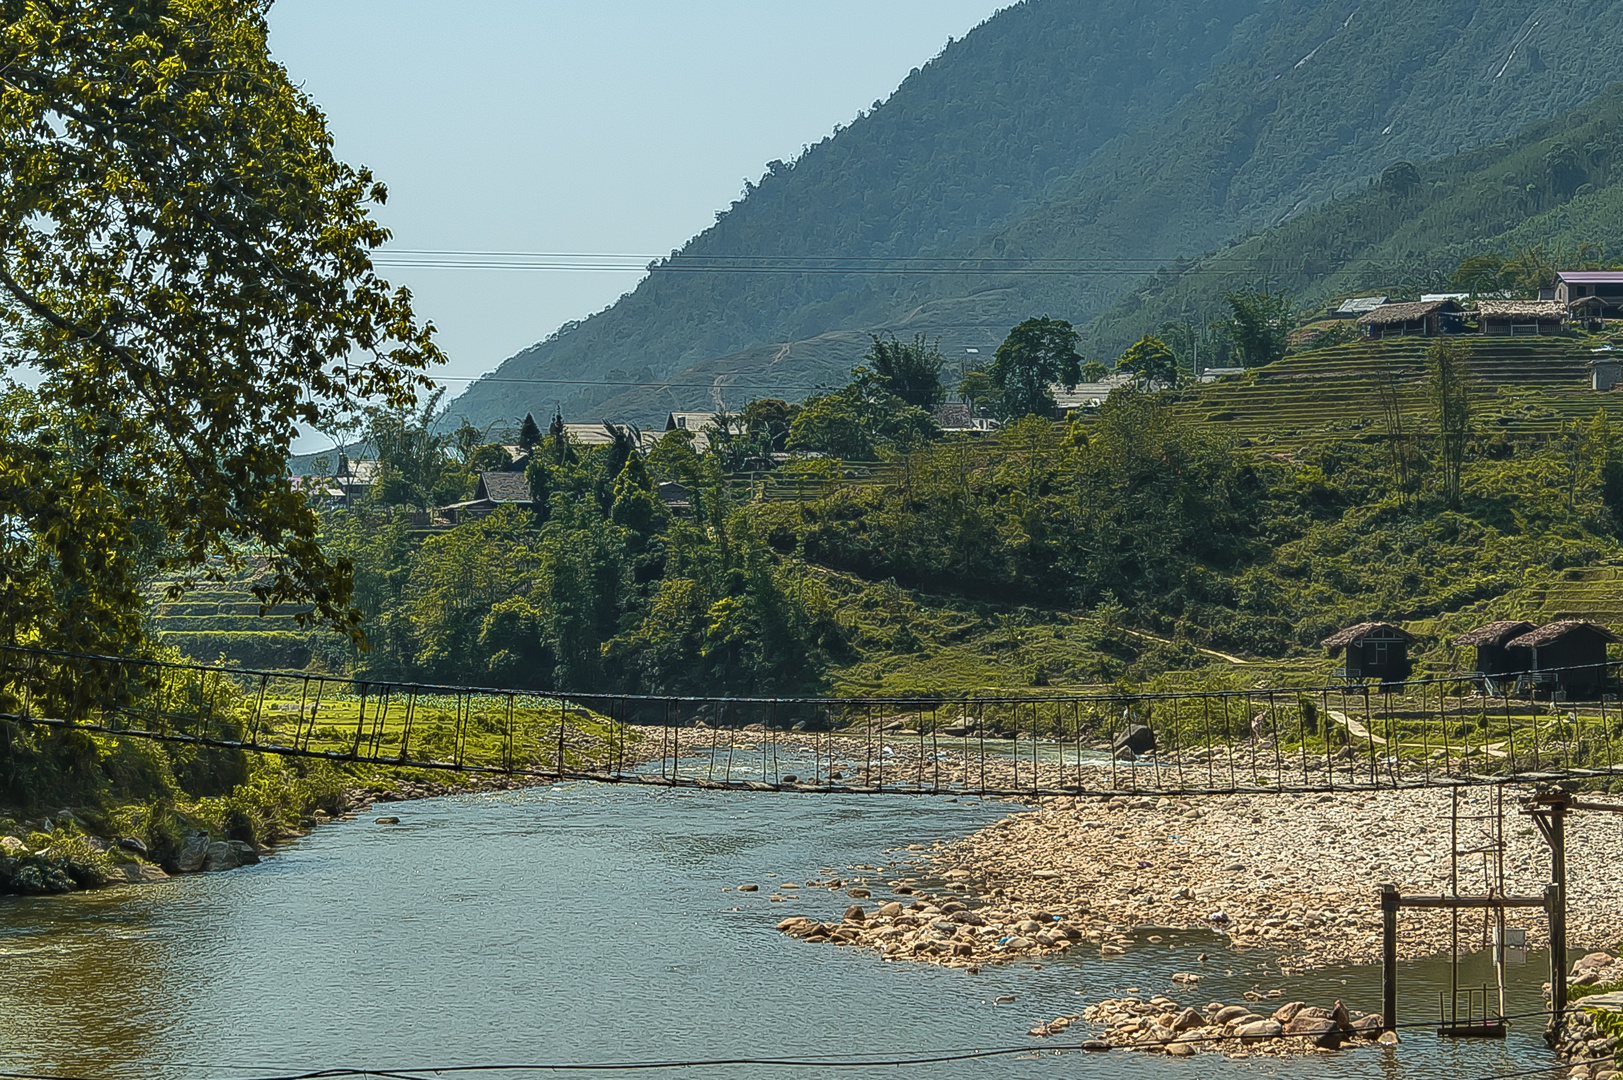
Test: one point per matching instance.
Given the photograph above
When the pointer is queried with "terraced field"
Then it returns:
(221, 620)
(1525, 386)
(1594, 593)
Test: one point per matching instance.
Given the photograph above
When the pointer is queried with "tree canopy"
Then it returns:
(909, 369)
(1151, 362)
(1035, 355)
(188, 267)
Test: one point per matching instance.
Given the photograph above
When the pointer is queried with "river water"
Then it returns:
(590, 924)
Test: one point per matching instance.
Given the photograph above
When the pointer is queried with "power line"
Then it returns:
(906, 265)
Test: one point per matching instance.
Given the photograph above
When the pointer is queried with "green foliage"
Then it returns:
(1448, 387)
(415, 464)
(605, 590)
(1151, 363)
(1035, 355)
(188, 269)
(1260, 323)
(529, 434)
(856, 421)
(260, 650)
(911, 370)
(490, 457)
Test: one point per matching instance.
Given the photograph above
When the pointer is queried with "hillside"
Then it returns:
(1062, 129)
(1555, 183)
(1522, 387)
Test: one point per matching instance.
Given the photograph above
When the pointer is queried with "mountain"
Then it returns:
(1557, 185)
(1117, 137)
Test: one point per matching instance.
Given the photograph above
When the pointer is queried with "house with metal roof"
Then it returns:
(1591, 295)
(1356, 306)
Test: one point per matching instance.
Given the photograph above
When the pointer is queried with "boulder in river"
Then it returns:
(133, 844)
(1137, 739)
(1321, 1031)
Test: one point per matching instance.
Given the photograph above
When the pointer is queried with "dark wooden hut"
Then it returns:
(1494, 657)
(1376, 652)
(1567, 657)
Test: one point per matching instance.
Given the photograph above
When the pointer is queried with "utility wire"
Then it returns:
(582, 262)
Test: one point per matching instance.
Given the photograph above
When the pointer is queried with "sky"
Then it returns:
(582, 126)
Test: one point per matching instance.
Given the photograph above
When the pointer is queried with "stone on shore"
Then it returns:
(193, 853)
(219, 857)
(1137, 739)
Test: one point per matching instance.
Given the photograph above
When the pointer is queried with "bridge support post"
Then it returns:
(1389, 957)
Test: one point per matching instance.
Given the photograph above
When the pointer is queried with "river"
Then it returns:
(590, 924)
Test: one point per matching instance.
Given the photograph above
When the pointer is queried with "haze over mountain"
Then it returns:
(1117, 137)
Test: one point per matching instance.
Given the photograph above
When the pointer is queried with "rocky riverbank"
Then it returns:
(67, 851)
(1298, 875)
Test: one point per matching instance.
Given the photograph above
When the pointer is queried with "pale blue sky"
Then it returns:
(615, 126)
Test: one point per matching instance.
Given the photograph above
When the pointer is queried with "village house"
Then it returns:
(1591, 295)
(1422, 319)
(494, 491)
(955, 418)
(1357, 306)
(1567, 659)
(700, 424)
(354, 478)
(1513, 318)
(1375, 652)
(1495, 659)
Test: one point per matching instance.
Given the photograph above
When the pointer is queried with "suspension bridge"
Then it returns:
(1436, 732)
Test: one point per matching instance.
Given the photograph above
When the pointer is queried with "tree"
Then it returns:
(979, 392)
(491, 457)
(1260, 324)
(188, 268)
(910, 370)
(529, 434)
(833, 423)
(769, 418)
(415, 464)
(1035, 355)
(1151, 363)
(1449, 391)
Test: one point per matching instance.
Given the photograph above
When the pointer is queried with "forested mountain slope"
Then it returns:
(1556, 185)
(1122, 134)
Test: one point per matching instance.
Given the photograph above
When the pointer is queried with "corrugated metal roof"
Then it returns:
(1360, 304)
(1591, 277)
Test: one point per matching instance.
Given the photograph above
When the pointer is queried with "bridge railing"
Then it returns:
(1430, 732)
